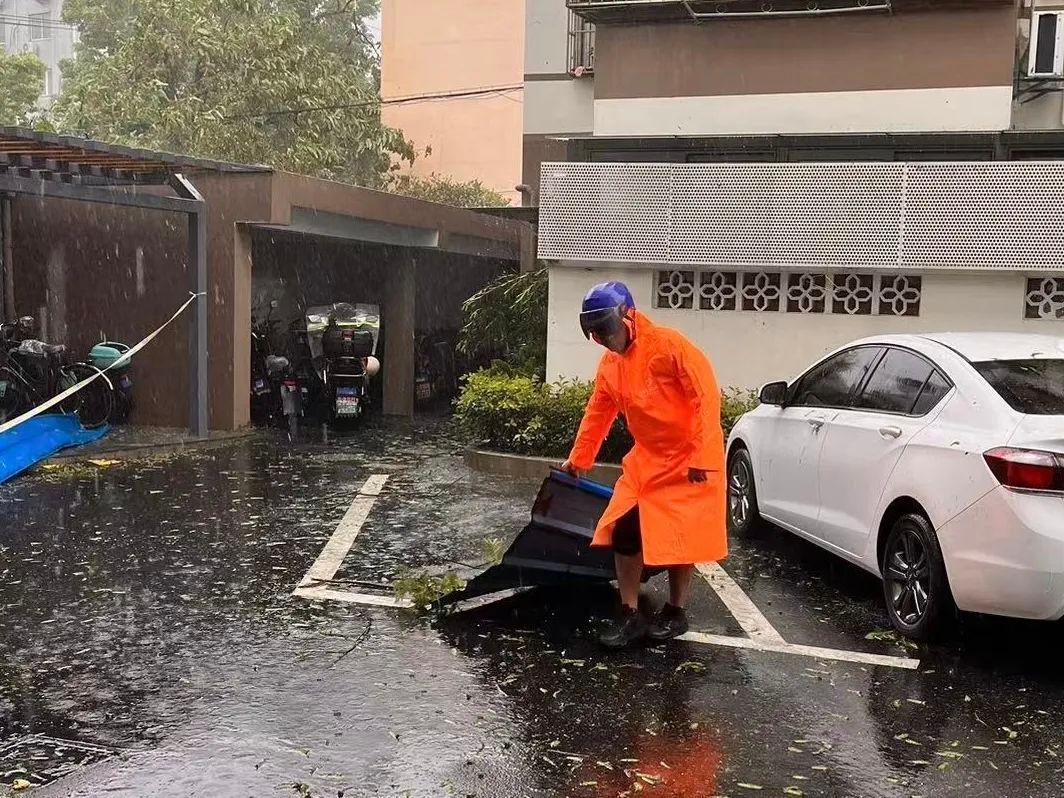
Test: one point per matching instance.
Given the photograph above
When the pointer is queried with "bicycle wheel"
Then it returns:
(94, 403)
(14, 400)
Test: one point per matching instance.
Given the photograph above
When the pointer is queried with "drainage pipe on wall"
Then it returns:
(8, 261)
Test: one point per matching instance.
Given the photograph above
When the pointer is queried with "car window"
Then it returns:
(1034, 387)
(832, 383)
(935, 388)
(896, 383)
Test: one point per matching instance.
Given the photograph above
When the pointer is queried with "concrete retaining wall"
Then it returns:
(514, 465)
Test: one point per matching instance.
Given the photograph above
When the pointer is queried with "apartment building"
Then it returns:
(36, 26)
(779, 178)
(793, 80)
(451, 80)
(559, 83)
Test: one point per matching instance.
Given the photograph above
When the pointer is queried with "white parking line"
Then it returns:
(761, 635)
(332, 556)
(802, 651)
(750, 618)
(367, 599)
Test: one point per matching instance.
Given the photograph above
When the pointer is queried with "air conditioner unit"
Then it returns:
(1046, 57)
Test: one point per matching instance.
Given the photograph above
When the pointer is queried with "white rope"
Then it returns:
(73, 389)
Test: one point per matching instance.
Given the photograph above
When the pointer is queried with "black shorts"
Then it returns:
(627, 539)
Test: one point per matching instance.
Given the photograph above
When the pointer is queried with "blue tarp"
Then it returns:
(38, 439)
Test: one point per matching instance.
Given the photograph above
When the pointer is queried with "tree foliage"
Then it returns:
(21, 83)
(435, 188)
(289, 83)
(507, 320)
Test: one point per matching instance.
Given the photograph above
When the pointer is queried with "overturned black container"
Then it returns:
(555, 547)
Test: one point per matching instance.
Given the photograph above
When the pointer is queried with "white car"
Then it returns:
(934, 461)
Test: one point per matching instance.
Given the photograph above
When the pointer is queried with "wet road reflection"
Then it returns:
(147, 607)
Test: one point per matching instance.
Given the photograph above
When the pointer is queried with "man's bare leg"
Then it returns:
(672, 620)
(629, 577)
(680, 584)
(630, 627)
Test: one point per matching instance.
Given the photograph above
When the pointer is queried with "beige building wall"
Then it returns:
(449, 47)
(946, 70)
(749, 349)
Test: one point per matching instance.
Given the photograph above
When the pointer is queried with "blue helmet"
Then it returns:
(604, 307)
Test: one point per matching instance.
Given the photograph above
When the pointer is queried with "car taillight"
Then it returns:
(1027, 469)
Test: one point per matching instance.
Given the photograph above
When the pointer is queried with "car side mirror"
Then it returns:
(775, 393)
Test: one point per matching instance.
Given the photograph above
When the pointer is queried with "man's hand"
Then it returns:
(697, 475)
(572, 470)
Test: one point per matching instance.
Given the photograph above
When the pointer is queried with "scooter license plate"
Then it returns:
(347, 392)
(260, 387)
(347, 406)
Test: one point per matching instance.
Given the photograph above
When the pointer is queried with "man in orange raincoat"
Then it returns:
(668, 508)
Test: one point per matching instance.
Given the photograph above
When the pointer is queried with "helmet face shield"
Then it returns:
(601, 323)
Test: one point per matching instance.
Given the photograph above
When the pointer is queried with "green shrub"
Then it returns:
(734, 404)
(505, 411)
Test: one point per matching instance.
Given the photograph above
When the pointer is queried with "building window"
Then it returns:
(807, 293)
(761, 291)
(899, 295)
(676, 290)
(844, 294)
(40, 26)
(718, 291)
(1045, 298)
(581, 46)
(1047, 44)
(853, 294)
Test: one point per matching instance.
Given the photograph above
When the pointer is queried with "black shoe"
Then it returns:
(670, 622)
(627, 628)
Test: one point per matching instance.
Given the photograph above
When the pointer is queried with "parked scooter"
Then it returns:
(276, 396)
(435, 373)
(342, 339)
(102, 356)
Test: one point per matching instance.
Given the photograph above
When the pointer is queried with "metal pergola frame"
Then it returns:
(59, 167)
(188, 202)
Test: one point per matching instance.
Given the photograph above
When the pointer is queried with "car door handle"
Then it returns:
(815, 423)
(890, 432)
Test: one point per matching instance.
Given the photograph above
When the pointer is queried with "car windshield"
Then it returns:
(1034, 387)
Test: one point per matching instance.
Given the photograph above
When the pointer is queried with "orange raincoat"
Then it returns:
(666, 390)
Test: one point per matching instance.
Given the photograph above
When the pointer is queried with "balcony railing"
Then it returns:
(621, 11)
(581, 46)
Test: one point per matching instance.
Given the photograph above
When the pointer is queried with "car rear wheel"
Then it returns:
(743, 515)
(915, 587)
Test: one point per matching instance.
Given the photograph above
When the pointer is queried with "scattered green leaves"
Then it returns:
(425, 590)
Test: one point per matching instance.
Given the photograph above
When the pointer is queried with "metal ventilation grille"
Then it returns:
(823, 215)
(621, 213)
(794, 214)
(985, 216)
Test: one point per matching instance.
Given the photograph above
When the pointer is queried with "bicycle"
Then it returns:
(31, 375)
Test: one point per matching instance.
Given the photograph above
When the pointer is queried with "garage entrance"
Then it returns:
(418, 290)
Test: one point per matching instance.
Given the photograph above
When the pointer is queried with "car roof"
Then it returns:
(981, 346)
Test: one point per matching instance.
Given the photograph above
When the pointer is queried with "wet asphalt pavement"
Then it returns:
(147, 611)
